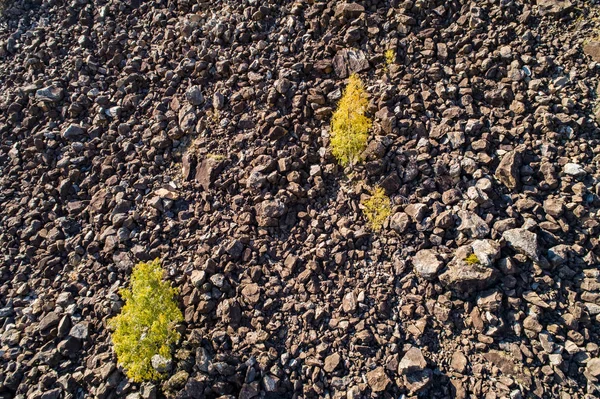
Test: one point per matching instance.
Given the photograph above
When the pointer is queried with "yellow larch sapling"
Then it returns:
(349, 125)
(377, 208)
(146, 325)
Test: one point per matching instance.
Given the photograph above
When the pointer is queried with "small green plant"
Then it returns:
(472, 259)
(145, 326)
(216, 157)
(390, 57)
(377, 208)
(349, 125)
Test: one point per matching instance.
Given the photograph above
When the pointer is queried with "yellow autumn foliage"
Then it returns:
(349, 125)
(472, 259)
(390, 57)
(377, 208)
(145, 326)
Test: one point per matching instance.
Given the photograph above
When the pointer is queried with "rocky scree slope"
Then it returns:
(198, 132)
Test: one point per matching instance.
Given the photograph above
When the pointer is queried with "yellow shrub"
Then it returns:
(390, 57)
(472, 259)
(145, 326)
(377, 208)
(349, 125)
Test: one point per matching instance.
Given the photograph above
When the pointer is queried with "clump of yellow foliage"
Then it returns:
(349, 125)
(145, 326)
(472, 259)
(377, 208)
(390, 57)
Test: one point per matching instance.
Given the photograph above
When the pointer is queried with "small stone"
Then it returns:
(554, 207)
(269, 212)
(558, 254)
(194, 95)
(473, 224)
(592, 48)
(331, 362)
(235, 249)
(592, 369)
(177, 381)
(349, 10)
(427, 263)
(508, 170)
(466, 277)
(418, 381)
(459, 362)
(270, 383)
(531, 323)
(148, 391)
(50, 320)
(378, 379)
(506, 52)
(399, 222)
(413, 360)
(452, 196)
(349, 303)
(487, 251)
(416, 211)
(50, 94)
(348, 61)
(80, 331)
(161, 364)
(523, 241)
(252, 293)
(574, 169)
(197, 278)
(73, 131)
(207, 171)
(553, 7)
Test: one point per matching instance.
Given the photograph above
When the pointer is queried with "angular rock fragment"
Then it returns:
(475, 226)
(486, 251)
(508, 172)
(399, 222)
(413, 369)
(574, 169)
(523, 241)
(73, 132)
(348, 61)
(50, 94)
(558, 254)
(592, 48)
(207, 171)
(269, 212)
(349, 10)
(194, 95)
(251, 292)
(332, 362)
(592, 370)
(378, 379)
(49, 321)
(553, 7)
(349, 303)
(459, 362)
(412, 360)
(187, 118)
(427, 263)
(466, 277)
